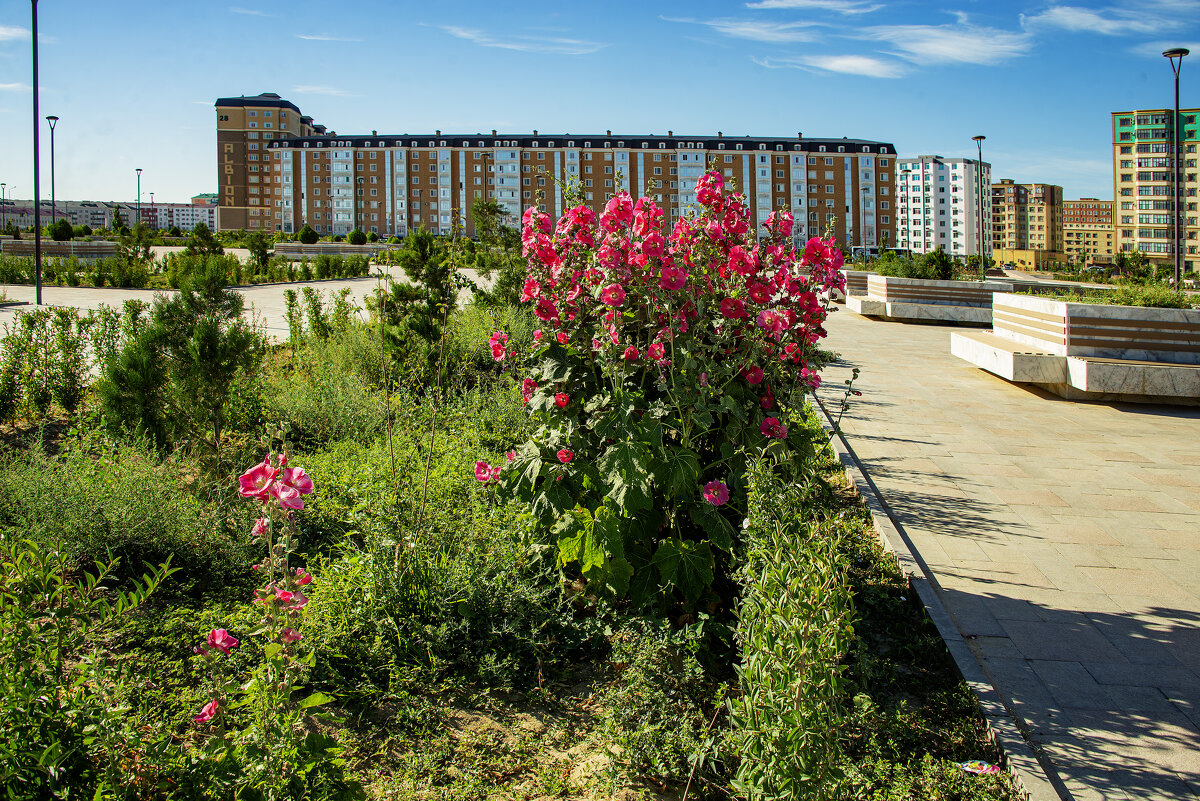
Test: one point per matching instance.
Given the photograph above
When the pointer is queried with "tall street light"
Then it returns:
(37, 186)
(979, 179)
(153, 213)
(139, 197)
(3, 208)
(1172, 54)
(53, 120)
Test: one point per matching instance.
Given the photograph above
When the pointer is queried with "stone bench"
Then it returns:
(1088, 351)
(918, 299)
(856, 284)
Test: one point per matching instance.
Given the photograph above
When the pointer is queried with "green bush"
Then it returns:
(794, 628)
(100, 502)
(1159, 296)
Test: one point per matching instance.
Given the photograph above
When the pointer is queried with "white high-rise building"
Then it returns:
(939, 204)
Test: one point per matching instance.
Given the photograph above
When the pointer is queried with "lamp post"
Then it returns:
(153, 213)
(3, 208)
(53, 120)
(138, 205)
(37, 186)
(979, 179)
(1172, 54)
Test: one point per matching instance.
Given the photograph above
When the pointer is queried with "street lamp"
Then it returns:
(53, 120)
(3, 208)
(37, 185)
(979, 179)
(1172, 54)
(138, 206)
(153, 213)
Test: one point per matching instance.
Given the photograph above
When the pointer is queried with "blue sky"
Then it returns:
(134, 82)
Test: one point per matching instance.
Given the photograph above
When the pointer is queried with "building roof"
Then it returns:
(268, 99)
(594, 141)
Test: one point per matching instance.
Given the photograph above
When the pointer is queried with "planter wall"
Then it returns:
(918, 299)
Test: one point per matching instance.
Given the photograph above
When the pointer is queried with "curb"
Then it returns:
(1003, 727)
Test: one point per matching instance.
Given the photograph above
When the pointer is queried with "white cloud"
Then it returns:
(308, 89)
(14, 87)
(1156, 49)
(840, 6)
(960, 42)
(9, 33)
(1110, 22)
(776, 33)
(321, 37)
(867, 66)
(250, 12)
(546, 45)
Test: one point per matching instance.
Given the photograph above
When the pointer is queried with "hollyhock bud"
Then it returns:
(261, 526)
(716, 493)
(303, 578)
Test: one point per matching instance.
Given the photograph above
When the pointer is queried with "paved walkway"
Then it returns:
(1063, 538)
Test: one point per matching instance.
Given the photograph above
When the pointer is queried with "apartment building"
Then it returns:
(1088, 236)
(1144, 184)
(1027, 219)
(278, 171)
(940, 205)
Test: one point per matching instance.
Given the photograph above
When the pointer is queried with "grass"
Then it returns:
(1157, 296)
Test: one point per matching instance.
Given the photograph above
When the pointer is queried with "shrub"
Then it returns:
(307, 236)
(794, 630)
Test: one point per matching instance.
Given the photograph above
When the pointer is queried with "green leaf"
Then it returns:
(686, 565)
(316, 699)
(271, 649)
(624, 469)
(719, 530)
(682, 472)
(552, 502)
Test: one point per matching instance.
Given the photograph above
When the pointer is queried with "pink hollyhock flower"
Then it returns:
(613, 295)
(565, 456)
(653, 245)
(256, 482)
(484, 472)
(510, 455)
(299, 601)
(754, 374)
(296, 478)
(498, 341)
(284, 596)
(286, 495)
(222, 640)
(742, 261)
(617, 212)
(704, 379)
(714, 231)
(758, 291)
(537, 335)
(735, 221)
(528, 387)
(733, 308)
(780, 222)
(673, 278)
(708, 189)
(630, 354)
(771, 427)
(646, 217)
(261, 526)
(561, 399)
(545, 309)
(208, 712)
(563, 337)
(303, 577)
(655, 351)
(716, 493)
(530, 290)
(289, 636)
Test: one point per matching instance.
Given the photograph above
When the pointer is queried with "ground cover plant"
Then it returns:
(1158, 296)
(384, 608)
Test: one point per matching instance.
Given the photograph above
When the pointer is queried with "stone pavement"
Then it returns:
(1062, 537)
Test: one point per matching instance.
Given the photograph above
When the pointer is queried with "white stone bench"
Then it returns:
(1087, 351)
(919, 299)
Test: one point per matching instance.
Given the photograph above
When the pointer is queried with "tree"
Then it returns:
(372, 237)
(61, 230)
(357, 237)
(938, 264)
(175, 231)
(491, 221)
(307, 235)
(202, 242)
(256, 243)
(134, 246)
(83, 230)
(118, 221)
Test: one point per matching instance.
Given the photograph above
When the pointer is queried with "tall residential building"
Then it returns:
(1144, 184)
(278, 171)
(1088, 231)
(1027, 218)
(940, 205)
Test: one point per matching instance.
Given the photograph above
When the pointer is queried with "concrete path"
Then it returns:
(1063, 538)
